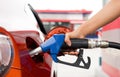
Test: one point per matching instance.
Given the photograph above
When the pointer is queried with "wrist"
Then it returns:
(82, 31)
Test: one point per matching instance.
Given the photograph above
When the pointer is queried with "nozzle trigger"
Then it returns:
(80, 59)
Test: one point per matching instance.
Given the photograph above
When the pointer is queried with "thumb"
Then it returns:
(67, 40)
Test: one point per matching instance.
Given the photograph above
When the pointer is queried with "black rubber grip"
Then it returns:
(76, 43)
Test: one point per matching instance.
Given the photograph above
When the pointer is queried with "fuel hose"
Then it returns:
(114, 45)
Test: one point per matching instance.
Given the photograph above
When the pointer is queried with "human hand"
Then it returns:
(73, 34)
(78, 33)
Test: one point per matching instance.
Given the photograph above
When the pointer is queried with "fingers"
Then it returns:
(71, 53)
(68, 42)
(65, 52)
(67, 39)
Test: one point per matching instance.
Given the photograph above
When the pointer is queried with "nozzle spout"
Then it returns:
(35, 51)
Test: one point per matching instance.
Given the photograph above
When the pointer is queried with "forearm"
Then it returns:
(110, 12)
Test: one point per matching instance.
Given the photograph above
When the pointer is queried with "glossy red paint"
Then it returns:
(23, 42)
(23, 64)
(15, 67)
(36, 66)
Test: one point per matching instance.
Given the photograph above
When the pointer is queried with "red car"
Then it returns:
(19, 34)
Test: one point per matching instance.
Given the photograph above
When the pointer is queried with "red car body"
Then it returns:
(23, 65)
(23, 35)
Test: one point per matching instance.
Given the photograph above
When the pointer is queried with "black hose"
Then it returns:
(114, 45)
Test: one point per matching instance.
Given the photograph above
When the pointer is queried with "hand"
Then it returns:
(74, 34)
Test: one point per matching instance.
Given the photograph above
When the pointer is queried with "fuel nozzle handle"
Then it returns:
(86, 43)
(76, 43)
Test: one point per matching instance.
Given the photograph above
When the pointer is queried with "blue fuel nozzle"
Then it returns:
(53, 45)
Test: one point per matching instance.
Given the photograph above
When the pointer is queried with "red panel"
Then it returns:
(63, 20)
(64, 11)
(110, 70)
(113, 25)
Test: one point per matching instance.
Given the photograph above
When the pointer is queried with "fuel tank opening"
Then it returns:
(31, 45)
